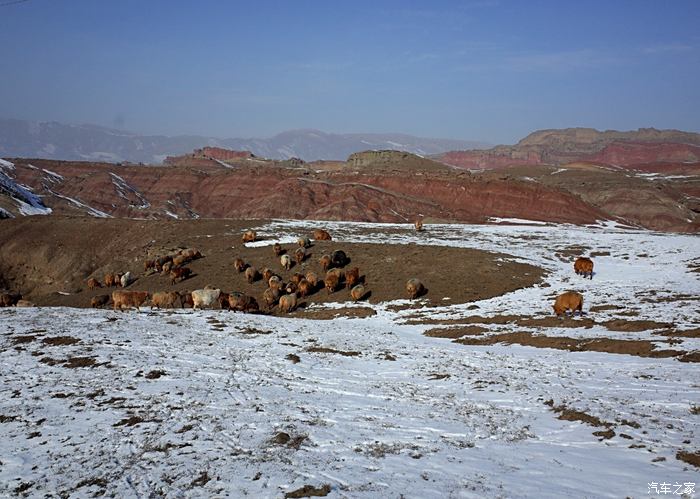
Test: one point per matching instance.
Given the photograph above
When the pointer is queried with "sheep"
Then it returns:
(109, 280)
(239, 264)
(569, 300)
(271, 296)
(243, 303)
(339, 259)
(300, 255)
(129, 299)
(99, 301)
(312, 278)
(9, 299)
(167, 267)
(179, 260)
(321, 235)
(162, 261)
(165, 299)
(275, 282)
(305, 288)
(418, 224)
(584, 266)
(357, 292)
(291, 287)
(286, 262)
(149, 264)
(333, 279)
(204, 297)
(126, 279)
(186, 299)
(266, 274)
(352, 277)
(325, 262)
(277, 249)
(249, 236)
(223, 300)
(181, 274)
(304, 242)
(251, 275)
(93, 283)
(288, 303)
(414, 288)
(25, 303)
(297, 277)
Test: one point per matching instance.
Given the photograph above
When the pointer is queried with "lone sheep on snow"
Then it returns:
(584, 266)
(321, 235)
(570, 300)
(249, 236)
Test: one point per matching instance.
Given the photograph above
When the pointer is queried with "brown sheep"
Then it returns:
(277, 249)
(569, 300)
(321, 235)
(297, 277)
(243, 303)
(304, 242)
(305, 288)
(9, 299)
(249, 236)
(266, 274)
(584, 266)
(149, 264)
(357, 292)
(333, 280)
(93, 283)
(418, 224)
(129, 299)
(325, 262)
(291, 287)
(414, 288)
(186, 299)
(312, 278)
(191, 253)
(352, 277)
(110, 280)
(275, 282)
(239, 264)
(252, 275)
(180, 273)
(271, 296)
(286, 262)
(299, 255)
(99, 301)
(165, 299)
(180, 260)
(288, 303)
(224, 301)
(167, 267)
(162, 261)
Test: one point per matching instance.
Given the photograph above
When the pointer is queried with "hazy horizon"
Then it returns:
(482, 70)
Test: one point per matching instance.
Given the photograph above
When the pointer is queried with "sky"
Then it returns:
(489, 70)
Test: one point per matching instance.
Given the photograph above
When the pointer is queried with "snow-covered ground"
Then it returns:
(211, 403)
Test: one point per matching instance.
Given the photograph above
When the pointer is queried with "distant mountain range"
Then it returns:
(52, 140)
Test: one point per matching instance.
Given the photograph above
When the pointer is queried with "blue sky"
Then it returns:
(481, 69)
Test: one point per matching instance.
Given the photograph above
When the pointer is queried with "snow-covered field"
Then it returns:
(211, 403)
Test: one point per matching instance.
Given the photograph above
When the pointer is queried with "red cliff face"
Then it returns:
(492, 158)
(644, 153)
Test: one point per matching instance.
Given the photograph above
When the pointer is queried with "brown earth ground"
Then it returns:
(45, 257)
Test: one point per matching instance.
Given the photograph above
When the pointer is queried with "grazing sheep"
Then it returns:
(249, 236)
(584, 266)
(312, 278)
(288, 303)
(223, 300)
(291, 287)
(266, 274)
(357, 292)
(93, 283)
(109, 280)
(271, 296)
(286, 262)
(241, 302)
(300, 255)
(325, 262)
(275, 282)
(251, 275)
(352, 277)
(149, 264)
(165, 299)
(167, 267)
(186, 299)
(9, 299)
(239, 264)
(305, 288)
(204, 297)
(339, 259)
(277, 249)
(162, 261)
(304, 242)
(25, 303)
(418, 224)
(321, 235)
(179, 260)
(99, 301)
(333, 279)
(181, 274)
(414, 288)
(297, 277)
(126, 279)
(129, 299)
(191, 253)
(569, 300)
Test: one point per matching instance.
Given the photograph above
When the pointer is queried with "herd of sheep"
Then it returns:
(285, 296)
